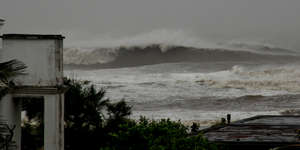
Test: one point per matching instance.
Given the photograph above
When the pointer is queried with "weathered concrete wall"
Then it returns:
(54, 122)
(42, 58)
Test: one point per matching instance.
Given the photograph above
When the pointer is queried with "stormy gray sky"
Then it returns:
(275, 21)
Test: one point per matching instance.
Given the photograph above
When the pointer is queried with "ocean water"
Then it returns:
(190, 82)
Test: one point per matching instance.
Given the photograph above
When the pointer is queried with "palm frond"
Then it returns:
(8, 70)
(11, 69)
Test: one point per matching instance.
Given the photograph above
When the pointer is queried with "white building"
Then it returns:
(43, 55)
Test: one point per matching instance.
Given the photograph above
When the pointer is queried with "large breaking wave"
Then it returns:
(165, 47)
(155, 54)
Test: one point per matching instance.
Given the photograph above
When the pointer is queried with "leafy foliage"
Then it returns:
(84, 115)
(156, 135)
(11, 69)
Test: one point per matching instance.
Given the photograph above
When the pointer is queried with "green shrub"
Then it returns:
(155, 135)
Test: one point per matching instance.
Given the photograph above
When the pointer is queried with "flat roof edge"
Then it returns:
(32, 36)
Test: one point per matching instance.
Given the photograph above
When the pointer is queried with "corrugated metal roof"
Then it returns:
(258, 131)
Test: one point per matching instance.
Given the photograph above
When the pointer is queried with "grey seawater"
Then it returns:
(203, 92)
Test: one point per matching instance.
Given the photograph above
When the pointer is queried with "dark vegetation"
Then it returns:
(95, 123)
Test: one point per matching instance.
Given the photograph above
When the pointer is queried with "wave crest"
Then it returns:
(156, 53)
(269, 78)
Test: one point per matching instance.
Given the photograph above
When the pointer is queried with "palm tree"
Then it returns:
(9, 70)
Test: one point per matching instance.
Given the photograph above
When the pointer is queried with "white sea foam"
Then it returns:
(134, 84)
(284, 78)
(147, 85)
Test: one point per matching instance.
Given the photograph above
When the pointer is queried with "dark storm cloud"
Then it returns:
(276, 20)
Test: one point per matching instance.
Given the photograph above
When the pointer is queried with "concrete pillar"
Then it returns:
(10, 111)
(54, 122)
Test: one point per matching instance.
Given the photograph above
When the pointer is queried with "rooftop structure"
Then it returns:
(42, 55)
(259, 133)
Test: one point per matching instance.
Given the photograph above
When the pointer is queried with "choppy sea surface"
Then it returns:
(189, 83)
